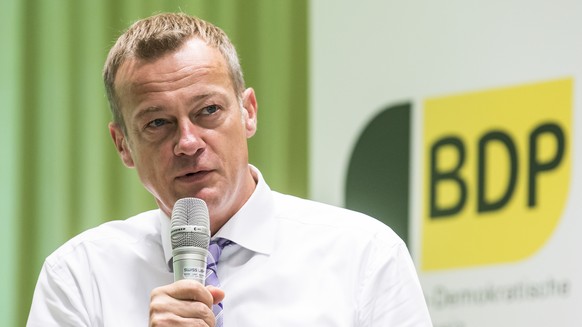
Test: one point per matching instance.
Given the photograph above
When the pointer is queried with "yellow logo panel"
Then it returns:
(497, 167)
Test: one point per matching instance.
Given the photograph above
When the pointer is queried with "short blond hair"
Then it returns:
(152, 37)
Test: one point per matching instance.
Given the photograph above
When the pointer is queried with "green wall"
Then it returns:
(59, 171)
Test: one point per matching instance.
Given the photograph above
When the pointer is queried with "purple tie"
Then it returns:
(215, 249)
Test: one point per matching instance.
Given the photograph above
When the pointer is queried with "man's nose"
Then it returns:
(189, 139)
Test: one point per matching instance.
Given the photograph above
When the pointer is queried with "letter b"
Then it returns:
(452, 175)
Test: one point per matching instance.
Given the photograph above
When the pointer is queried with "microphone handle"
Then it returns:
(190, 263)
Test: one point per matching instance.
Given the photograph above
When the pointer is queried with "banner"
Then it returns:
(459, 126)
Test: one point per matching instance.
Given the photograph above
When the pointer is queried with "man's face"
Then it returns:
(186, 131)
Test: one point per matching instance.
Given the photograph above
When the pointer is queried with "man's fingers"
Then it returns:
(184, 303)
(188, 290)
(161, 304)
(217, 293)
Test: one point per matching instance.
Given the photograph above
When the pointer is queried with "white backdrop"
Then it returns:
(366, 55)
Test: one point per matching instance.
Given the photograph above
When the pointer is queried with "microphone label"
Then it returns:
(188, 228)
(197, 273)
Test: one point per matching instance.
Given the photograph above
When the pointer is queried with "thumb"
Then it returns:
(217, 293)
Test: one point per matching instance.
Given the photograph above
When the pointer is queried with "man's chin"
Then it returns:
(206, 195)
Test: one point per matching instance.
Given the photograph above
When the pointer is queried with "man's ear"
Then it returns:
(250, 108)
(120, 142)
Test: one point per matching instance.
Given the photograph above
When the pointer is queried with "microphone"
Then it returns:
(190, 235)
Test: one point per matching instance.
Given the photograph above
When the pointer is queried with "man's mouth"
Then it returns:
(193, 176)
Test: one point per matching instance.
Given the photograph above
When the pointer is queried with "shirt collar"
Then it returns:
(252, 227)
(166, 242)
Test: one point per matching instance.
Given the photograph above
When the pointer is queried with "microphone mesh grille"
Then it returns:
(190, 212)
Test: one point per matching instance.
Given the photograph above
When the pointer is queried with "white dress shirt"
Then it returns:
(295, 263)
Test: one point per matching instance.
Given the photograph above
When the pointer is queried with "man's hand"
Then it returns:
(184, 303)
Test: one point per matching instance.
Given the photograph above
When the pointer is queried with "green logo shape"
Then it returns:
(377, 182)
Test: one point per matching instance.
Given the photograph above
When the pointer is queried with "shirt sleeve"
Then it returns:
(390, 293)
(56, 301)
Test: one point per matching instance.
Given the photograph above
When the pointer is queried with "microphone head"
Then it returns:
(190, 224)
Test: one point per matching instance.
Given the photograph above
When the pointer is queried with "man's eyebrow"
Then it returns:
(146, 111)
(193, 99)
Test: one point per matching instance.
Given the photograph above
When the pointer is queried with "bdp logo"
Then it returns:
(496, 172)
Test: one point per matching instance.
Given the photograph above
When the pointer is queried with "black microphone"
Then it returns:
(190, 235)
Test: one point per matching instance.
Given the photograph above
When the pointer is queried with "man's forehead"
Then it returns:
(192, 53)
(194, 57)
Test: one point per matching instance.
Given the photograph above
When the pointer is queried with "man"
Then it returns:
(182, 117)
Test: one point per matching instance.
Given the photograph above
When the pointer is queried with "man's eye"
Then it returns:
(210, 110)
(157, 123)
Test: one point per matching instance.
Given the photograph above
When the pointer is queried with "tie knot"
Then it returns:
(216, 246)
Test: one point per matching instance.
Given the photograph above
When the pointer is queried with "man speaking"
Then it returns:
(182, 117)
